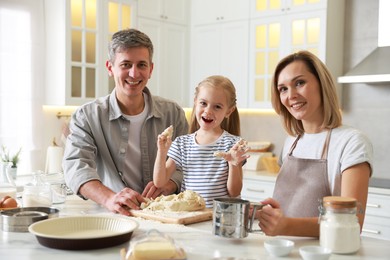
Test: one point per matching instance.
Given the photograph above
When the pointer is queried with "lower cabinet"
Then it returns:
(256, 190)
(377, 219)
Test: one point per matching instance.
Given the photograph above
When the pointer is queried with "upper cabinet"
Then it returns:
(166, 23)
(263, 8)
(173, 11)
(214, 11)
(278, 28)
(240, 39)
(78, 32)
(220, 43)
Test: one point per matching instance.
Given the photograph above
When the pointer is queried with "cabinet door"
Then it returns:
(77, 35)
(266, 8)
(213, 11)
(205, 53)
(255, 190)
(174, 11)
(174, 64)
(221, 49)
(272, 38)
(177, 11)
(234, 51)
(151, 9)
(170, 76)
(265, 51)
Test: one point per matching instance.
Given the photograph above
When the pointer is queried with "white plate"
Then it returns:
(84, 232)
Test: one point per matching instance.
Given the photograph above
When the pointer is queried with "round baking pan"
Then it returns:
(84, 232)
(19, 219)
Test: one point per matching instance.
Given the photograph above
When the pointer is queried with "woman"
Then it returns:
(321, 157)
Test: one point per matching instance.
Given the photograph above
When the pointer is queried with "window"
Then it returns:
(21, 78)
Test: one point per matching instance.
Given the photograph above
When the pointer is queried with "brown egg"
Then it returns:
(3, 199)
(9, 203)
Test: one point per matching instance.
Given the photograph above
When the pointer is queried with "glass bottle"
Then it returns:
(339, 226)
(37, 193)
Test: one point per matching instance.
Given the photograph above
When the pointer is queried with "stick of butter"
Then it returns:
(152, 250)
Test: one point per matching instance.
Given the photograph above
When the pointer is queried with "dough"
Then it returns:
(168, 132)
(220, 154)
(242, 145)
(185, 201)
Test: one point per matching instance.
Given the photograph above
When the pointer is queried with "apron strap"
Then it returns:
(294, 145)
(326, 145)
(324, 154)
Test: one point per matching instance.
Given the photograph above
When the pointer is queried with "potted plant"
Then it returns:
(9, 160)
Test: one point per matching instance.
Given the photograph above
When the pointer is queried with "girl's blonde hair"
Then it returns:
(329, 99)
(230, 124)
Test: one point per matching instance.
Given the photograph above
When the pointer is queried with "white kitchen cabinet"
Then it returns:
(214, 11)
(377, 219)
(173, 11)
(170, 74)
(263, 8)
(77, 35)
(257, 186)
(220, 46)
(221, 49)
(277, 32)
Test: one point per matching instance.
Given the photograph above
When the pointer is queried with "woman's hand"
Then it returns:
(271, 218)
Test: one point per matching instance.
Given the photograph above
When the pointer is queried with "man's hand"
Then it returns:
(119, 202)
(124, 200)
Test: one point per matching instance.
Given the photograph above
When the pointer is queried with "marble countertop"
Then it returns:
(196, 239)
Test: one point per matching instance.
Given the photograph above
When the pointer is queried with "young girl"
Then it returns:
(214, 127)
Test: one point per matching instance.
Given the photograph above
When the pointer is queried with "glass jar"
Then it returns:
(37, 193)
(339, 226)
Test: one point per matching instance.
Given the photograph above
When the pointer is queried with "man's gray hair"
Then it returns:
(126, 39)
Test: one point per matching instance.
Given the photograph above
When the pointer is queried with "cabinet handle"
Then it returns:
(373, 205)
(255, 190)
(377, 232)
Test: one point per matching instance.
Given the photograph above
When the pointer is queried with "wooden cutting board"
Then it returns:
(175, 217)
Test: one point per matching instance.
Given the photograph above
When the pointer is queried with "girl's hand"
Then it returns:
(237, 154)
(163, 143)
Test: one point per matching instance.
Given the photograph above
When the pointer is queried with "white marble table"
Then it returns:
(195, 239)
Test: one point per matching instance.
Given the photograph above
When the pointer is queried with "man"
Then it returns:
(111, 149)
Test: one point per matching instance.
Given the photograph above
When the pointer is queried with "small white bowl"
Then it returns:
(278, 247)
(315, 253)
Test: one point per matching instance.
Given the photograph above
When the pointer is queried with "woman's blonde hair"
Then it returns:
(329, 99)
(230, 124)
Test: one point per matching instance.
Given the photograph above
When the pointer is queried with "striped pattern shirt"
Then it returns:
(202, 171)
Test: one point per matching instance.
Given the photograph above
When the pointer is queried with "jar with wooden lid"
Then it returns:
(339, 225)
